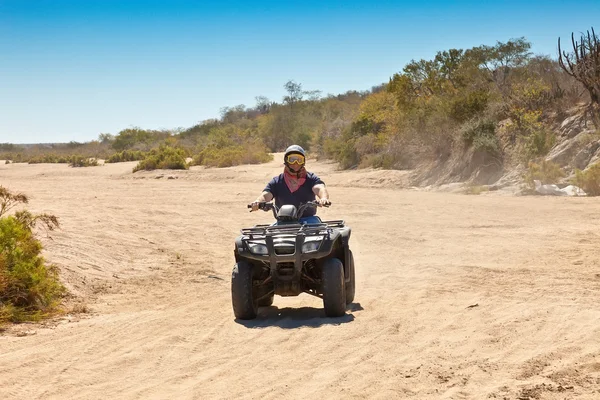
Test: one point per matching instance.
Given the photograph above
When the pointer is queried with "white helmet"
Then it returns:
(294, 149)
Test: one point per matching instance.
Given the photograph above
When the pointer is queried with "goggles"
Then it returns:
(295, 159)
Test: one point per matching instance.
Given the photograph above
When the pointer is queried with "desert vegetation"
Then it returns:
(29, 287)
(126, 155)
(163, 157)
(546, 172)
(496, 106)
(588, 180)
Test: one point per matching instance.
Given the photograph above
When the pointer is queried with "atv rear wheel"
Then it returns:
(334, 296)
(351, 284)
(243, 298)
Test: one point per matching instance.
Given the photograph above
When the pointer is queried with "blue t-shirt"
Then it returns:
(278, 188)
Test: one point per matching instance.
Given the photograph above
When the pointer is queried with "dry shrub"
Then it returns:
(126, 155)
(589, 180)
(79, 161)
(213, 156)
(546, 172)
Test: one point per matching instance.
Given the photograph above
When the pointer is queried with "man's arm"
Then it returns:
(264, 196)
(321, 191)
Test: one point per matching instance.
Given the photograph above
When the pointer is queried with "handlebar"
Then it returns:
(266, 206)
(263, 205)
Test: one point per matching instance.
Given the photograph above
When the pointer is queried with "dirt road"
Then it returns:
(458, 297)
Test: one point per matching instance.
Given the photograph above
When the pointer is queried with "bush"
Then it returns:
(546, 172)
(468, 105)
(589, 180)
(49, 159)
(343, 151)
(477, 128)
(532, 93)
(481, 134)
(476, 189)
(29, 289)
(214, 156)
(536, 137)
(488, 144)
(164, 157)
(79, 161)
(126, 155)
(538, 143)
(382, 160)
(366, 145)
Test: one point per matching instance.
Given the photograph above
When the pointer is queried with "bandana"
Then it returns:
(294, 180)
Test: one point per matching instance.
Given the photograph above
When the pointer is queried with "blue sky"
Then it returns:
(70, 70)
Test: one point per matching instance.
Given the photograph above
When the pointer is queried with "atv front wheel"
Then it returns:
(243, 300)
(334, 296)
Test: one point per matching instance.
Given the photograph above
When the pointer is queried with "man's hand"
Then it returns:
(324, 202)
(264, 197)
(321, 192)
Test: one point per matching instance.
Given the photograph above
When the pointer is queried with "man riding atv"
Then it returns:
(297, 254)
(295, 186)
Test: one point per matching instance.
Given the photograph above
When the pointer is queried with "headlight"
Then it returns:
(258, 248)
(312, 243)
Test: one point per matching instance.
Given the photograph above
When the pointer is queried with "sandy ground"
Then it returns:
(458, 297)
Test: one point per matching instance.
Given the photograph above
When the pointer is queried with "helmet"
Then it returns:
(294, 149)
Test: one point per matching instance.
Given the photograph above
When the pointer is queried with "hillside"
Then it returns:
(494, 115)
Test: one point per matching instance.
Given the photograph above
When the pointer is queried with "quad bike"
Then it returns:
(289, 258)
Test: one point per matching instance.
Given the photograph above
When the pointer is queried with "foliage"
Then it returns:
(477, 128)
(106, 138)
(498, 99)
(537, 139)
(49, 159)
(589, 180)
(343, 151)
(72, 160)
(546, 172)
(466, 105)
(455, 94)
(229, 145)
(163, 157)
(29, 288)
(126, 155)
(481, 134)
(138, 139)
(213, 156)
(57, 152)
(79, 161)
(199, 131)
(8, 147)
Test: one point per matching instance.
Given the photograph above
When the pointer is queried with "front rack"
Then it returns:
(291, 229)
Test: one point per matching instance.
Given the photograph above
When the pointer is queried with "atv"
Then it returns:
(288, 258)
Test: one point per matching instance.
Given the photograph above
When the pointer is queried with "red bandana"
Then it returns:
(294, 181)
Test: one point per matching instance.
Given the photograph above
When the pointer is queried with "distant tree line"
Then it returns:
(500, 101)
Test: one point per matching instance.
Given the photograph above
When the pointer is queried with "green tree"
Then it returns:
(105, 138)
(294, 91)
